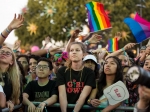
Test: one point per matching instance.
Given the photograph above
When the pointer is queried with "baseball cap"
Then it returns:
(90, 57)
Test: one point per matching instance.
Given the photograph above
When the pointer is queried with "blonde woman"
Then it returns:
(10, 77)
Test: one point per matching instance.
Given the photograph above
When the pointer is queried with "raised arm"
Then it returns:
(14, 24)
(122, 50)
(72, 39)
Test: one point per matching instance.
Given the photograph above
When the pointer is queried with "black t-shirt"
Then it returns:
(40, 93)
(75, 82)
(8, 89)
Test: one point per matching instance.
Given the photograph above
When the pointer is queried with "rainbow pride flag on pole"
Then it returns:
(112, 45)
(98, 19)
(139, 27)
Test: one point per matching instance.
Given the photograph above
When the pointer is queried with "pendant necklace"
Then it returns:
(74, 83)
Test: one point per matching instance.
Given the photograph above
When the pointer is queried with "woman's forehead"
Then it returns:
(75, 46)
(110, 59)
(5, 48)
(147, 61)
(122, 57)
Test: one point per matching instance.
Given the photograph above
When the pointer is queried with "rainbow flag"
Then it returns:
(112, 45)
(98, 19)
(139, 27)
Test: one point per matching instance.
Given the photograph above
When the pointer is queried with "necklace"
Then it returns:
(74, 83)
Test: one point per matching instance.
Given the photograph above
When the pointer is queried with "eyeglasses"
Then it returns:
(7, 53)
(42, 66)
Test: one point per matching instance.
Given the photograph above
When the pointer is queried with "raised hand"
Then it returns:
(147, 51)
(17, 45)
(47, 40)
(95, 39)
(118, 36)
(75, 33)
(16, 22)
(129, 45)
(99, 50)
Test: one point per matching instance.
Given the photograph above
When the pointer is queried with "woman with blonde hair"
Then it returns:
(10, 77)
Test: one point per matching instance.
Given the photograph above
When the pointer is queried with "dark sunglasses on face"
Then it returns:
(7, 53)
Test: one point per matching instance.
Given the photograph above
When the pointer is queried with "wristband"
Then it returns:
(45, 103)
(87, 42)
(3, 36)
(14, 51)
(123, 51)
(47, 53)
(7, 30)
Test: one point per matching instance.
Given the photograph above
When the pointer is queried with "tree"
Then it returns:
(57, 17)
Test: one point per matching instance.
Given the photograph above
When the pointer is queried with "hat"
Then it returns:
(90, 57)
(143, 48)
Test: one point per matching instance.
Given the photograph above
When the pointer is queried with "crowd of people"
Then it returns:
(72, 76)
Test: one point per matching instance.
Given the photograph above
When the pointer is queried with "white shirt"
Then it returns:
(1, 89)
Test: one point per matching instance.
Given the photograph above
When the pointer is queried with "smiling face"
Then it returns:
(110, 67)
(75, 53)
(6, 56)
(42, 70)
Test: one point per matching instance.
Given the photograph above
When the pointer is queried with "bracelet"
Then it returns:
(7, 30)
(11, 101)
(45, 103)
(3, 36)
(47, 53)
(123, 51)
(14, 51)
(87, 42)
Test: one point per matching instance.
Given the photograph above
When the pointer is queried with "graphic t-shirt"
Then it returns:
(40, 93)
(75, 81)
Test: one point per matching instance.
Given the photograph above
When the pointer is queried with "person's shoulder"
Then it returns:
(62, 69)
(88, 69)
(52, 81)
(33, 82)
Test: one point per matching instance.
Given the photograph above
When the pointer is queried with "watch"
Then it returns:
(89, 101)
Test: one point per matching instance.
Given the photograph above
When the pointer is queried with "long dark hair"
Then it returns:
(102, 78)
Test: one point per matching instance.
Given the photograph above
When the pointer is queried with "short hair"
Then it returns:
(34, 57)
(46, 60)
(23, 56)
